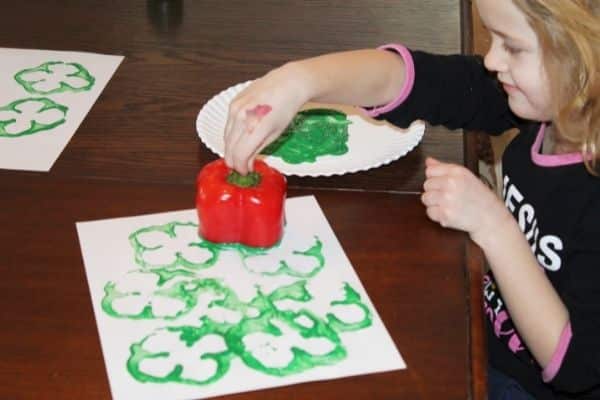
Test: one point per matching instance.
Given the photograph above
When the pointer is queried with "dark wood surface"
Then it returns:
(412, 269)
(178, 54)
(137, 152)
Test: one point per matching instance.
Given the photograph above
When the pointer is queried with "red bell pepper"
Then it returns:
(246, 209)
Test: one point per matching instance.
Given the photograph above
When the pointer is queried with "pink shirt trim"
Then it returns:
(559, 354)
(409, 80)
(551, 160)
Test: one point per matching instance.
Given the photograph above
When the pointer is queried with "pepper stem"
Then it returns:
(251, 179)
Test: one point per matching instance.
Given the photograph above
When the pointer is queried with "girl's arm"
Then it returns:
(534, 305)
(458, 199)
(360, 77)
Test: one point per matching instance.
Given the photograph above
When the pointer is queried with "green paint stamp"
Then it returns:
(29, 116)
(55, 77)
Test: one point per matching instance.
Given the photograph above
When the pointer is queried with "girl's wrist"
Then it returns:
(304, 85)
(498, 224)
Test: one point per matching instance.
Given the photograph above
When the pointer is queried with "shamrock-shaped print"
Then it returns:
(284, 344)
(148, 295)
(174, 245)
(29, 116)
(345, 310)
(278, 342)
(55, 77)
(188, 355)
(302, 259)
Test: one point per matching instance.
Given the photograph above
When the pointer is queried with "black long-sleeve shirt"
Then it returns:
(556, 203)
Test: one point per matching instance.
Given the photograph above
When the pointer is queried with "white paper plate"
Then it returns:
(371, 143)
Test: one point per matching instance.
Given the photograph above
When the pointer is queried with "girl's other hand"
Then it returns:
(456, 198)
(260, 113)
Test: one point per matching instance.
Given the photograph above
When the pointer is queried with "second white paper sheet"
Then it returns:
(44, 97)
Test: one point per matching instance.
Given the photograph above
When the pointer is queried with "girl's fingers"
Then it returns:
(227, 139)
(246, 148)
(431, 198)
(434, 213)
(239, 131)
(434, 183)
(430, 161)
(232, 131)
(268, 139)
(436, 171)
(256, 152)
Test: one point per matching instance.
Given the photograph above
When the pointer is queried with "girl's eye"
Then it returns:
(510, 49)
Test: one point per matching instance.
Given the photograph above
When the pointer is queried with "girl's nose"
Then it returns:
(494, 59)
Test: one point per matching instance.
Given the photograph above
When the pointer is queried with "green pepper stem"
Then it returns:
(251, 179)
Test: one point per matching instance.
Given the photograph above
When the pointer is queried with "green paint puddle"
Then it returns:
(312, 133)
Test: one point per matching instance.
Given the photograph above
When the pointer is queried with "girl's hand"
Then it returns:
(456, 198)
(260, 113)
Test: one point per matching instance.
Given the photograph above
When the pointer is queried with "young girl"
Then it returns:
(542, 295)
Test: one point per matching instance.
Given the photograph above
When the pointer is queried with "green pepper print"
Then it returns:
(346, 314)
(148, 295)
(29, 116)
(175, 245)
(278, 333)
(188, 355)
(272, 341)
(342, 319)
(267, 339)
(305, 262)
(279, 342)
(283, 343)
(55, 77)
(312, 133)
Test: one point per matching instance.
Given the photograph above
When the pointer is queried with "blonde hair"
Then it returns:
(569, 34)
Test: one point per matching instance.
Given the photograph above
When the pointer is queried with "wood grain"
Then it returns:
(50, 347)
(178, 54)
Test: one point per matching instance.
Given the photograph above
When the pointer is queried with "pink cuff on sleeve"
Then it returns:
(409, 80)
(559, 354)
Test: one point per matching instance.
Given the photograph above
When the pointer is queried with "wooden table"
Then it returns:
(137, 152)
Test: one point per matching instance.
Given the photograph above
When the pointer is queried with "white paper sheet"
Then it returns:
(44, 97)
(179, 319)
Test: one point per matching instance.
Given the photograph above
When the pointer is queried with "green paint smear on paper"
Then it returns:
(179, 259)
(264, 323)
(180, 262)
(287, 336)
(285, 267)
(189, 335)
(312, 133)
(44, 69)
(35, 126)
(352, 298)
(242, 249)
(187, 292)
(267, 322)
